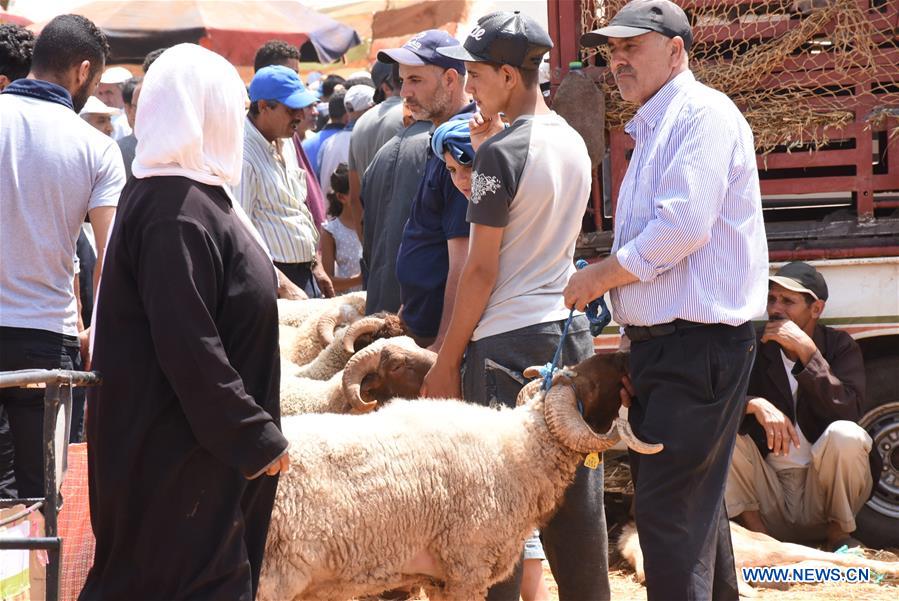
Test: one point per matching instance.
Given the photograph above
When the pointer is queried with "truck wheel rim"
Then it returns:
(882, 423)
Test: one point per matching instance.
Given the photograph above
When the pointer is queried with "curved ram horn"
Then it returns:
(360, 365)
(327, 322)
(366, 325)
(628, 436)
(530, 390)
(566, 423)
(532, 371)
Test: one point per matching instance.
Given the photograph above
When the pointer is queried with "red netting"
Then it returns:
(799, 69)
(75, 525)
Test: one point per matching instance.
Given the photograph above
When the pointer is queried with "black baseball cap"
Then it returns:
(801, 277)
(642, 16)
(507, 38)
(421, 49)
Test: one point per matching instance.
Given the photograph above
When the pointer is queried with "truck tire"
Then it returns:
(878, 521)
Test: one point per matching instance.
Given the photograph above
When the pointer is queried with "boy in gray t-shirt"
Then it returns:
(530, 185)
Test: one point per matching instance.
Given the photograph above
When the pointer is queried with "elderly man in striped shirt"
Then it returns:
(688, 272)
(272, 187)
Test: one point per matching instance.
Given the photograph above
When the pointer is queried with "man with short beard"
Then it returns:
(56, 169)
(435, 240)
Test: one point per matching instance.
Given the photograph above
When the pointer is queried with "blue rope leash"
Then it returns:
(598, 315)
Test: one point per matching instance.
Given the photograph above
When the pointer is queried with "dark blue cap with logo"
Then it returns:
(642, 16)
(421, 49)
(506, 38)
(281, 84)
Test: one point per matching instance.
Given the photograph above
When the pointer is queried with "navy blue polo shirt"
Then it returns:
(438, 214)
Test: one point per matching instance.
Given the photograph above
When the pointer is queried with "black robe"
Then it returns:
(187, 345)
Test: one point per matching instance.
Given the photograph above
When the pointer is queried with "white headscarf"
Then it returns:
(190, 118)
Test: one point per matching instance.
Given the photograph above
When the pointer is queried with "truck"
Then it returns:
(818, 80)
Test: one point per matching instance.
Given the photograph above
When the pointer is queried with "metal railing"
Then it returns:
(58, 385)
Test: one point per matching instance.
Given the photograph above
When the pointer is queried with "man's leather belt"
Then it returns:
(643, 333)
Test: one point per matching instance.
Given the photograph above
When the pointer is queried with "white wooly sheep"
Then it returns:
(303, 343)
(347, 341)
(435, 493)
(329, 361)
(295, 312)
(386, 368)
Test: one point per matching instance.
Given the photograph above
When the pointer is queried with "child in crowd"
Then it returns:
(452, 143)
(340, 245)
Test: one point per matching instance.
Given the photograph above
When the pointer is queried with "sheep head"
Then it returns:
(374, 327)
(596, 382)
(387, 368)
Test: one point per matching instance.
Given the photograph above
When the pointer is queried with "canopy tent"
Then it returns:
(231, 28)
(8, 17)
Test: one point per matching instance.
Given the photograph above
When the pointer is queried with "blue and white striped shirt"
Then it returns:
(689, 216)
(272, 191)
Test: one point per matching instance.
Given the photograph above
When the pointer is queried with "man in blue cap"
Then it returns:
(435, 238)
(273, 186)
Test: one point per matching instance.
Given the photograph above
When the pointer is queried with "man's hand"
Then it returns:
(778, 429)
(282, 465)
(324, 282)
(84, 340)
(483, 127)
(791, 338)
(627, 392)
(289, 290)
(442, 382)
(585, 286)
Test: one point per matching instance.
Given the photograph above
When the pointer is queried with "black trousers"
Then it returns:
(301, 275)
(22, 348)
(691, 396)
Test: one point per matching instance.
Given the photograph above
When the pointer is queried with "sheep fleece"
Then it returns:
(366, 493)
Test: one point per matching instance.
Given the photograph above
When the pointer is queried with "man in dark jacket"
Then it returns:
(800, 469)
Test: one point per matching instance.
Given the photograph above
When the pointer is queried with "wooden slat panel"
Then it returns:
(800, 159)
(807, 185)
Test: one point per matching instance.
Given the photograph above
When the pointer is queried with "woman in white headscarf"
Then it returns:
(183, 435)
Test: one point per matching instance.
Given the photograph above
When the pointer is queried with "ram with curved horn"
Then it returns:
(393, 367)
(596, 381)
(458, 487)
(347, 341)
(382, 371)
(371, 328)
(306, 341)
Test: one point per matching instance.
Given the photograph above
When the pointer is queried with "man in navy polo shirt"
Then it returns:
(435, 240)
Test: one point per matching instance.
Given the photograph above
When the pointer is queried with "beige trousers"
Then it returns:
(797, 504)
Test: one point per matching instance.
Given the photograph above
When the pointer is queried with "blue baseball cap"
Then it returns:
(421, 49)
(281, 84)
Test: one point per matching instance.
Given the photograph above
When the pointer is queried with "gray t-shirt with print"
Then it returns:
(532, 180)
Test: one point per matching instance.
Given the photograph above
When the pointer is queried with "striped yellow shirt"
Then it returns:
(272, 191)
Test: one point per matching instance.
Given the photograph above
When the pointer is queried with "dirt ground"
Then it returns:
(626, 588)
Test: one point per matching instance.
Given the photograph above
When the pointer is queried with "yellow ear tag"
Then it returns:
(592, 461)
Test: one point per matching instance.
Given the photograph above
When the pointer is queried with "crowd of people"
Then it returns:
(442, 184)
